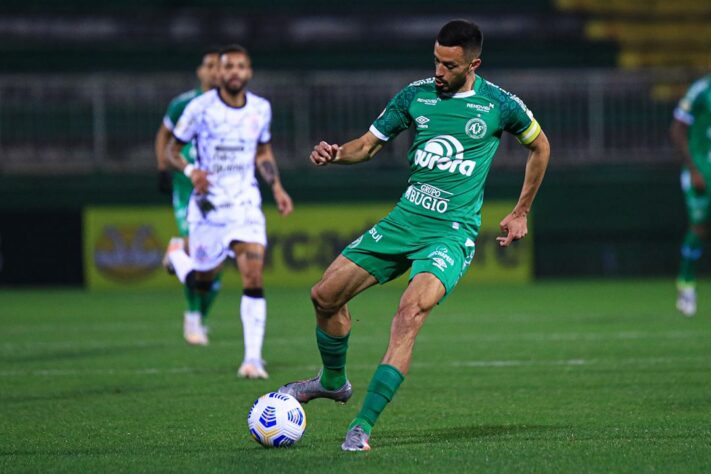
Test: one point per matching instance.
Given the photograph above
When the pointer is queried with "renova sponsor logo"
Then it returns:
(428, 197)
(481, 108)
(427, 101)
(446, 153)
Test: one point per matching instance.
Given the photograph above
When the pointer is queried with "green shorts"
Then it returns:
(403, 239)
(182, 189)
(697, 204)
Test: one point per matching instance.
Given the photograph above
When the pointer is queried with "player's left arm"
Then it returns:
(266, 164)
(515, 225)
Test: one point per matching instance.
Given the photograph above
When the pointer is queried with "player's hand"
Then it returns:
(199, 179)
(283, 200)
(697, 181)
(515, 226)
(165, 181)
(324, 154)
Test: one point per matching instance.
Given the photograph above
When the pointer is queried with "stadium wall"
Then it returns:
(598, 221)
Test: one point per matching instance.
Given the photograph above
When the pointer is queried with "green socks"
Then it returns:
(333, 354)
(691, 250)
(382, 388)
(199, 302)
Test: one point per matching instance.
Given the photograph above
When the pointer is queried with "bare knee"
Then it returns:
(410, 316)
(324, 301)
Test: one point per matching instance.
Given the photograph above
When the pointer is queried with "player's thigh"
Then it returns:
(447, 261)
(423, 293)
(341, 281)
(250, 262)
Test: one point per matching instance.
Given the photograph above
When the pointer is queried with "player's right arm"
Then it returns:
(165, 180)
(393, 120)
(679, 134)
(185, 130)
(355, 151)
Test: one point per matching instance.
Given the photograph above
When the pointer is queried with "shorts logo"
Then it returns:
(476, 128)
(441, 258)
(446, 153)
(375, 235)
(356, 242)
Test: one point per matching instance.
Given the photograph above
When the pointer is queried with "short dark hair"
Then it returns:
(462, 33)
(233, 48)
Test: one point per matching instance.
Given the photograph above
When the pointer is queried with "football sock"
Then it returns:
(691, 251)
(382, 388)
(333, 354)
(206, 299)
(193, 298)
(182, 264)
(253, 311)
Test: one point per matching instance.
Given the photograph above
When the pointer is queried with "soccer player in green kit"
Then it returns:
(181, 187)
(459, 118)
(691, 134)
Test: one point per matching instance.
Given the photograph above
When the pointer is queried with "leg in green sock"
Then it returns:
(333, 351)
(382, 388)
(208, 298)
(192, 297)
(691, 251)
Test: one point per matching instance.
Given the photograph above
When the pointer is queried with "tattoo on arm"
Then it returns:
(268, 170)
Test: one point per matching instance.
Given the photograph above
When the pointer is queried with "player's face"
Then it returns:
(235, 72)
(208, 72)
(452, 66)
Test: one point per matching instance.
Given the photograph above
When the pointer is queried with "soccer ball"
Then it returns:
(276, 420)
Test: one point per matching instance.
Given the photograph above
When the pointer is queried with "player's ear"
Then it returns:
(474, 65)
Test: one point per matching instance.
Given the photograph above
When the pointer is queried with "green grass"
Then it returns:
(553, 377)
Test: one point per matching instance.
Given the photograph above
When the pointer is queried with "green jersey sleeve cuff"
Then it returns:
(378, 133)
(531, 133)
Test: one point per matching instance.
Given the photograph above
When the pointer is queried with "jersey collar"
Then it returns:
(469, 93)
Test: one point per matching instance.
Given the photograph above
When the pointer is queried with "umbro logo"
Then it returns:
(421, 121)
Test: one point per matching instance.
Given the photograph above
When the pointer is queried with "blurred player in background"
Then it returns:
(181, 187)
(459, 118)
(231, 128)
(691, 134)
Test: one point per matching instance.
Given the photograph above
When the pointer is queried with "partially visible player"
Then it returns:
(691, 135)
(458, 118)
(231, 127)
(198, 303)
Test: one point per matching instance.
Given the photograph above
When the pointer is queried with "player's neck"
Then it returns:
(468, 85)
(237, 100)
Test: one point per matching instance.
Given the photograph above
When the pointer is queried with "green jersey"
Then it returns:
(170, 119)
(456, 138)
(694, 110)
(182, 186)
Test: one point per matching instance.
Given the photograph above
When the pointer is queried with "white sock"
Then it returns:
(182, 263)
(193, 319)
(253, 312)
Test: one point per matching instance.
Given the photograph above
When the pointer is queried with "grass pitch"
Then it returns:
(553, 377)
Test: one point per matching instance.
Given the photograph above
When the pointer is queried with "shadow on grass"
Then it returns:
(463, 433)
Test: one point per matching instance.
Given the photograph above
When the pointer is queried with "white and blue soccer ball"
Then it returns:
(276, 420)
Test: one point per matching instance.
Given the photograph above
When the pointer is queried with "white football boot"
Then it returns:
(193, 330)
(252, 369)
(686, 299)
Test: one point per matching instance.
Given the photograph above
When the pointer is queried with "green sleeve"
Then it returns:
(518, 120)
(396, 116)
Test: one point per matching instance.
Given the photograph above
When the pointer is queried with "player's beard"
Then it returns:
(450, 88)
(234, 89)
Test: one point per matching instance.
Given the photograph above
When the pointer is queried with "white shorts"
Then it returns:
(210, 241)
